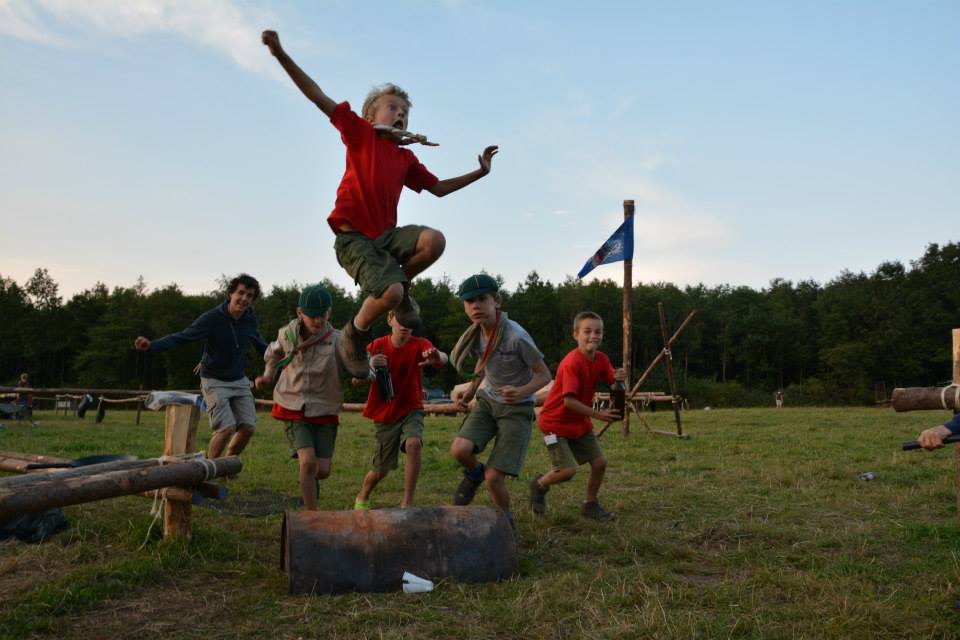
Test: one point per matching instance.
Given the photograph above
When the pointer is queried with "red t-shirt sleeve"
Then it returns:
(419, 177)
(353, 129)
(567, 380)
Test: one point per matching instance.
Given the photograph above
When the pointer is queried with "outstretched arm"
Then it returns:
(304, 82)
(443, 187)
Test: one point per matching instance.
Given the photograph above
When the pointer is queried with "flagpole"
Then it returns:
(627, 317)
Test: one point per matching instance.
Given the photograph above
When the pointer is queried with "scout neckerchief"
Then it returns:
(306, 344)
(460, 351)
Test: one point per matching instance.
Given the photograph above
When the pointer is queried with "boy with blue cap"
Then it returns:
(308, 354)
(508, 372)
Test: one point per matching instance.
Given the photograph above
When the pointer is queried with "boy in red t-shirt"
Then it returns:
(566, 413)
(399, 421)
(381, 257)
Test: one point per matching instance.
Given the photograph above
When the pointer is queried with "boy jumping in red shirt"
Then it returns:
(565, 418)
(381, 257)
(399, 420)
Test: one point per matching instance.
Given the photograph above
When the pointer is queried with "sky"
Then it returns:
(758, 140)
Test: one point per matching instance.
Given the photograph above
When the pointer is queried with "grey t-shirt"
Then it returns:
(511, 362)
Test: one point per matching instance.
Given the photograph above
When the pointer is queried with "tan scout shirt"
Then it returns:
(311, 380)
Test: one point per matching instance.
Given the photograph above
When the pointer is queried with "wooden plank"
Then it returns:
(179, 437)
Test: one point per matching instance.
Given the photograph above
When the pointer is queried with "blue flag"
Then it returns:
(618, 247)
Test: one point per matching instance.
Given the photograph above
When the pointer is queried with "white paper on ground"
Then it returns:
(415, 584)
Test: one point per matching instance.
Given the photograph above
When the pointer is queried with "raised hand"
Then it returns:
(272, 40)
(486, 158)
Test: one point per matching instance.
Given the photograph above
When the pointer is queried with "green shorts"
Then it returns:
(377, 264)
(319, 437)
(569, 454)
(509, 423)
(392, 439)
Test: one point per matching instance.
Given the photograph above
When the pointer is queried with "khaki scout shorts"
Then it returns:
(229, 404)
(392, 439)
(510, 424)
(376, 264)
(569, 454)
(320, 437)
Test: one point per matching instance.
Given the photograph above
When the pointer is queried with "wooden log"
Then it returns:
(669, 356)
(210, 490)
(659, 356)
(41, 475)
(628, 211)
(55, 492)
(179, 437)
(93, 392)
(925, 398)
(17, 462)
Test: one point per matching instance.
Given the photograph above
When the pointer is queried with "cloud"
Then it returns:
(222, 25)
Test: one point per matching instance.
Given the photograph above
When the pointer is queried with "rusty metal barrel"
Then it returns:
(368, 551)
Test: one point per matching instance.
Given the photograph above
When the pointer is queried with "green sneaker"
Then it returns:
(594, 511)
(361, 505)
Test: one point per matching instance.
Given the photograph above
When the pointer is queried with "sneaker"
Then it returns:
(538, 497)
(594, 511)
(361, 505)
(355, 346)
(467, 489)
(407, 312)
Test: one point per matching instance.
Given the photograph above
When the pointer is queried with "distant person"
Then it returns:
(25, 400)
(509, 371)
(778, 398)
(565, 418)
(380, 256)
(229, 328)
(399, 419)
(308, 354)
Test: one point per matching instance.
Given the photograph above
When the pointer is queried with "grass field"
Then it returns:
(756, 527)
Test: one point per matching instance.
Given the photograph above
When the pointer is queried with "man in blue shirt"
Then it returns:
(228, 329)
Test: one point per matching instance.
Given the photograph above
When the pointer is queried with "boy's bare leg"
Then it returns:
(371, 480)
(219, 440)
(430, 246)
(556, 476)
(598, 467)
(462, 452)
(411, 470)
(372, 308)
(308, 474)
(240, 439)
(498, 488)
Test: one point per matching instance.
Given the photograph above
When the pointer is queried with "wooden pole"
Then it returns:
(925, 398)
(669, 355)
(179, 437)
(628, 210)
(659, 356)
(121, 482)
(956, 380)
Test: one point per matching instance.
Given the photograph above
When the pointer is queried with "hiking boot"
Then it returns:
(355, 347)
(594, 511)
(538, 497)
(407, 312)
(467, 488)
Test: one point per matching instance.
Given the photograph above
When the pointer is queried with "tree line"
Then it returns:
(849, 341)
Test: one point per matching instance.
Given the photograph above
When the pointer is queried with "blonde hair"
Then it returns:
(388, 89)
(585, 315)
